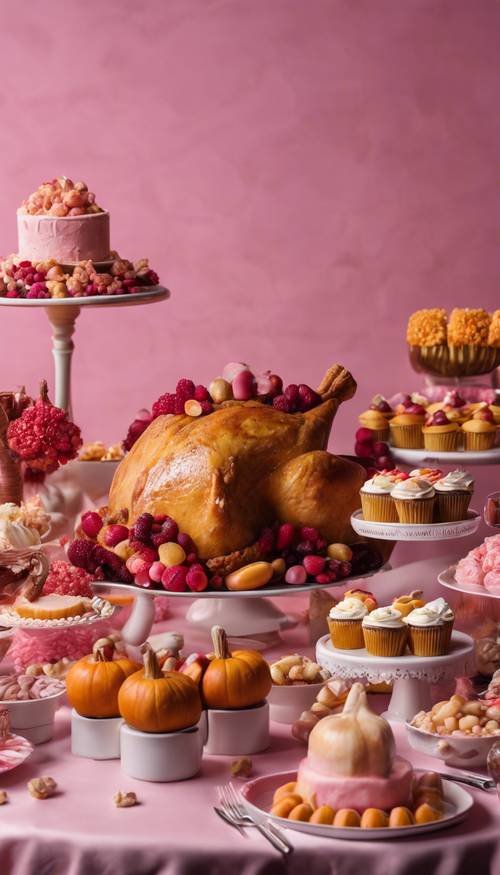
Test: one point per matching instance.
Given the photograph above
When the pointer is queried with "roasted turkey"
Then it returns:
(225, 476)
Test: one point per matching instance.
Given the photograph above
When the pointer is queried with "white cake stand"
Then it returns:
(447, 579)
(213, 607)
(416, 532)
(63, 313)
(411, 676)
(431, 458)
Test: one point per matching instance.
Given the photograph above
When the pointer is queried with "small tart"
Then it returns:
(52, 607)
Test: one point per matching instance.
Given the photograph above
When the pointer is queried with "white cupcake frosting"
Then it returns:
(16, 535)
(387, 617)
(434, 613)
(413, 488)
(380, 484)
(348, 609)
(455, 481)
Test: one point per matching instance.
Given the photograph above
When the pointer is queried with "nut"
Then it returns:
(42, 788)
(3, 797)
(125, 800)
(241, 768)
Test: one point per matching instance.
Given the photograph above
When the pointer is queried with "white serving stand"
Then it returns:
(410, 675)
(431, 458)
(214, 607)
(447, 579)
(63, 313)
(416, 532)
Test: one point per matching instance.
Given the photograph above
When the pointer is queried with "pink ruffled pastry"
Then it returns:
(469, 571)
(491, 561)
(492, 582)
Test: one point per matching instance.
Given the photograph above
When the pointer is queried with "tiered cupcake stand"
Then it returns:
(63, 313)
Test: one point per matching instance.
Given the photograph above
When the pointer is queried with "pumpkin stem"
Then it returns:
(219, 640)
(99, 655)
(152, 670)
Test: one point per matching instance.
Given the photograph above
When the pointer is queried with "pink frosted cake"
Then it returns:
(351, 761)
(62, 221)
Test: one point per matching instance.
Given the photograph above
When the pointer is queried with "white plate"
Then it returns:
(430, 458)
(257, 795)
(264, 591)
(103, 610)
(416, 532)
(447, 578)
(14, 751)
(150, 294)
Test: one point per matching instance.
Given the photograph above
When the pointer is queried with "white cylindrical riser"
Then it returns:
(237, 733)
(161, 757)
(97, 738)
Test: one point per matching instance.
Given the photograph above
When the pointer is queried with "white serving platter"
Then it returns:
(447, 578)
(431, 458)
(416, 532)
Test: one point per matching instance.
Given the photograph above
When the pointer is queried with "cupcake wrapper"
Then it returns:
(415, 511)
(455, 361)
(385, 642)
(442, 443)
(346, 634)
(378, 508)
(481, 441)
(451, 506)
(430, 640)
(407, 437)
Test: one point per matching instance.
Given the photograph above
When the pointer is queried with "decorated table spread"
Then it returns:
(174, 828)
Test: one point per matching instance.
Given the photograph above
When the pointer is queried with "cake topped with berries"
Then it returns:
(61, 220)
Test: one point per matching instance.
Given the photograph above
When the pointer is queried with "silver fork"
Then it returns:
(236, 812)
(470, 780)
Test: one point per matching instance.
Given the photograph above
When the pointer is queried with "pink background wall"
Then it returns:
(301, 174)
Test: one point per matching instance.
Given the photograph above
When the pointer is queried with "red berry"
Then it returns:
(276, 387)
(244, 386)
(66, 579)
(206, 407)
(380, 448)
(114, 534)
(201, 393)
(91, 523)
(136, 428)
(266, 541)
(186, 543)
(305, 547)
(296, 575)
(364, 436)
(365, 451)
(285, 536)
(309, 533)
(321, 545)
(196, 578)
(82, 554)
(308, 398)
(164, 404)
(282, 403)
(43, 435)
(192, 558)
(142, 528)
(314, 565)
(384, 461)
(147, 553)
(174, 578)
(217, 582)
(345, 568)
(156, 571)
(322, 578)
(292, 393)
(185, 389)
(142, 578)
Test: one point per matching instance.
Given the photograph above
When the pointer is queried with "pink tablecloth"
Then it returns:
(175, 832)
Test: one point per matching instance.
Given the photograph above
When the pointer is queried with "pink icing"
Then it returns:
(469, 571)
(67, 239)
(492, 581)
(367, 791)
(480, 563)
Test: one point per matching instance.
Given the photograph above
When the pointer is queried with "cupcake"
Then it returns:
(384, 632)
(344, 622)
(455, 407)
(376, 501)
(430, 628)
(453, 495)
(440, 435)
(381, 405)
(414, 500)
(376, 422)
(480, 431)
(406, 430)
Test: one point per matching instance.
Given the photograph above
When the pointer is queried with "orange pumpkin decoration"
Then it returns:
(154, 701)
(237, 680)
(93, 683)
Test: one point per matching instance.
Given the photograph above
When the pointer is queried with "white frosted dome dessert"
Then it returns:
(62, 221)
(351, 761)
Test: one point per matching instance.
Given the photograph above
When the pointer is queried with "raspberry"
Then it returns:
(179, 406)
(142, 528)
(305, 547)
(196, 579)
(124, 575)
(364, 451)
(217, 582)
(192, 558)
(266, 541)
(292, 393)
(185, 389)
(170, 528)
(110, 561)
(322, 578)
(82, 554)
(309, 533)
(186, 543)
(201, 393)
(364, 436)
(164, 404)
(314, 565)
(43, 435)
(285, 536)
(380, 448)
(281, 402)
(321, 545)
(91, 523)
(345, 568)
(114, 534)
(206, 407)
(136, 428)
(308, 398)
(66, 579)
(160, 538)
(383, 461)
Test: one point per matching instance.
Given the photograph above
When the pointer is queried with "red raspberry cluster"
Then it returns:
(66, 579)
(367, 448)
(43, 437)
(175, 402)
(296, 398)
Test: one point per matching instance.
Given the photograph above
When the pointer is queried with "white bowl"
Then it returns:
(95, 478)
(455, 750)
(287, 702)
(34, 718)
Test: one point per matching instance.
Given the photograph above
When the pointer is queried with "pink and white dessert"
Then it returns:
(351, 761)
(481, 566)
(62, 221)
